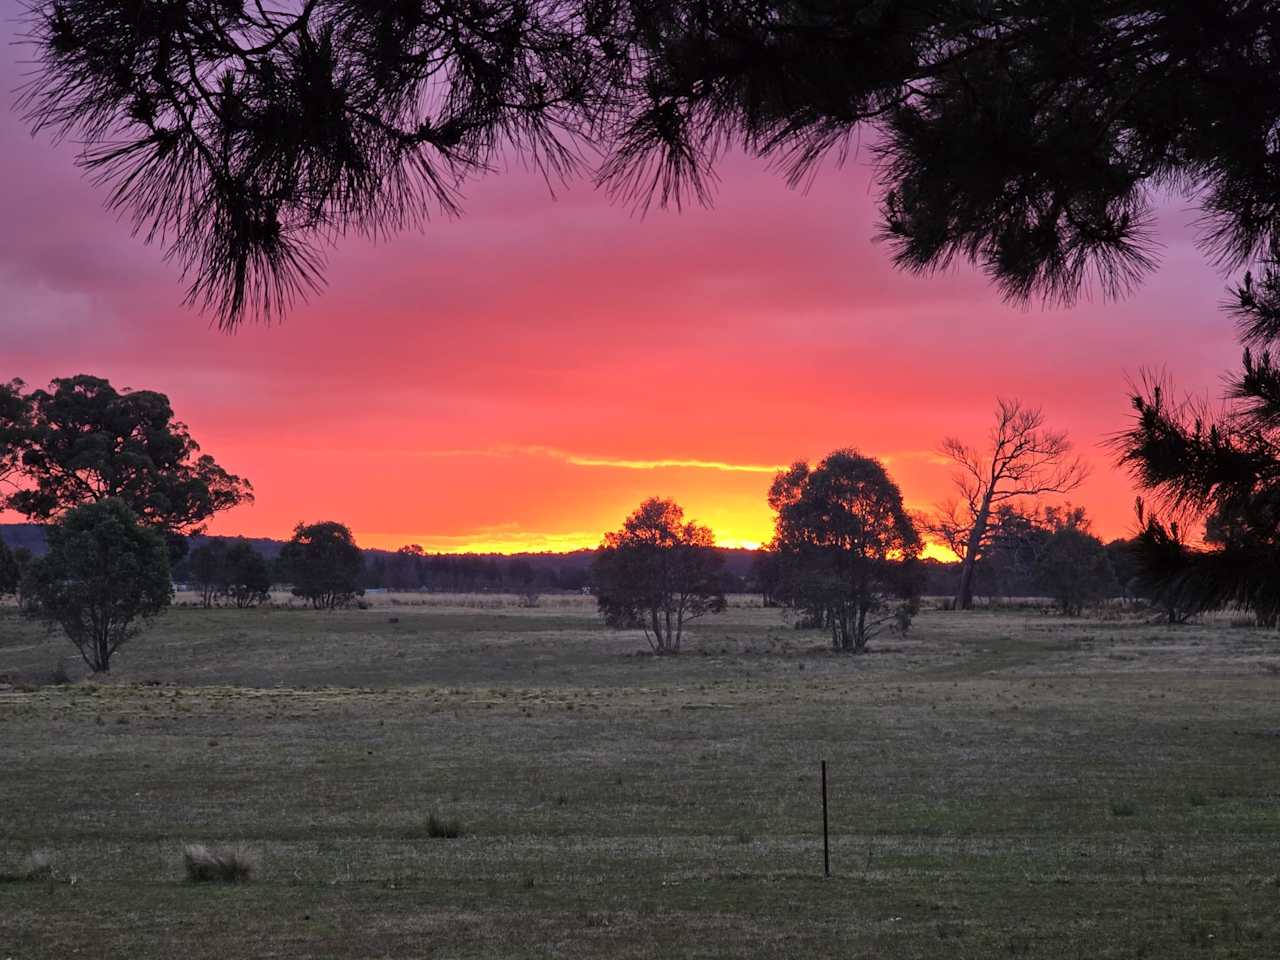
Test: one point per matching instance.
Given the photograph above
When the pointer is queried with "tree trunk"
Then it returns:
(102, 650)
(964, 597)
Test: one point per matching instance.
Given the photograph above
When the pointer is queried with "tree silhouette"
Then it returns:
(324, 564)
(246, 576)
(10, 572)
(1073, 565)
(15, 414)
(106, 574)
(207, 565)
(1021, 460)
(1026, 137)
(1220, 467)
(845, 546)
(85, 442)
(657, 573)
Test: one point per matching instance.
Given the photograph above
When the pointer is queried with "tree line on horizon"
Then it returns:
(1028, 139)
(120, 486)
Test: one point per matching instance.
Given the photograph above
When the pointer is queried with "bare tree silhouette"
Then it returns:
(1022, 460)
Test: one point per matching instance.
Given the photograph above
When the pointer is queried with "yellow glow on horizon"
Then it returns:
(584, 461)
(514, 542)
(938, 551)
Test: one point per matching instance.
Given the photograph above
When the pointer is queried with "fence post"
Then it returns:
(826, 843)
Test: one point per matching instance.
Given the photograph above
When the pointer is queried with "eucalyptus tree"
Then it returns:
(845, 547)
(246, 577)
(106, 574)
(15, 414)
(324, 564)
(657, 573)
(85, 441)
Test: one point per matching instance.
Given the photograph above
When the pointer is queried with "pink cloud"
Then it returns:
(768, 329)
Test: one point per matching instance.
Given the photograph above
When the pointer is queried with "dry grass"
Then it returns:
(644, 808)
(233, 864)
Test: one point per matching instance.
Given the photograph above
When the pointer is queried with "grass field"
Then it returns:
(1003, 784)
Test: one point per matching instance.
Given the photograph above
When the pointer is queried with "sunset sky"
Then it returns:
(522, 377)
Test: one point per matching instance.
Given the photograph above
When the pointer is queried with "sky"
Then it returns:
(522, 377)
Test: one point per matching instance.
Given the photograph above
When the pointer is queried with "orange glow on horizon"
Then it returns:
(517, 542)
(514, 544)
(522, 378)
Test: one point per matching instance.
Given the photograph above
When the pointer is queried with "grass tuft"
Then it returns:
(35, 866)
(443, 828)
(218, 864)
(1124, 808)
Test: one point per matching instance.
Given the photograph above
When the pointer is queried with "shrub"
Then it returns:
(218, 865)
(443, 828)
(1124, 808)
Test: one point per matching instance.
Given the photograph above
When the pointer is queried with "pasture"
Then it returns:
(1004, 783)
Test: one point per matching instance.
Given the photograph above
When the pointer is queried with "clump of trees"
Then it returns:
(844, 547)
(105, 575)
(112, 474)
(413, 568)
(1073, 566)
(234, 571)
(324, 564)
(657, 573)
(205, 568)
(1049, 552)
(246, 580)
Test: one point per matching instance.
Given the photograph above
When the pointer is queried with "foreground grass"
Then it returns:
(1002, 785)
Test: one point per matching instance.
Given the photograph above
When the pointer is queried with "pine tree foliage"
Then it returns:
(1026, 136)
(1219, 466)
